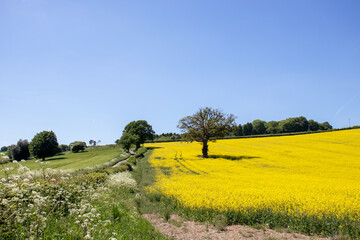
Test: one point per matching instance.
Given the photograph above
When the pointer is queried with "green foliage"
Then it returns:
(4, 148)
(298, 124)
(64, 148)
(167, 137)
(128, 139)
(258, 127)
(313, 125)
(78, 146)
(44, 144)
(93, 142)
(19, 151)
(83, 143)
(325, 126)
(206, 125)
(141, 129)
(247, 129)
(272, 127)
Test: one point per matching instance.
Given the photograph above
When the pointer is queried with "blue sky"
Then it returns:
(84, 69)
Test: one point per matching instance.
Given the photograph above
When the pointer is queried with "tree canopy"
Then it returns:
(141, 129)
(128, 139)
(19, 151)
(206, 125)
(44, 144)
(78, 146)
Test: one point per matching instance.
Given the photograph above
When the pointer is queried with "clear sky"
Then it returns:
(85, 68)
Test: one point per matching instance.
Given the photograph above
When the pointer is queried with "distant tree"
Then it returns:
(78, 146)
(258, 127)
(92, 142)
(239, 130)
(4, 148)
(44, 144)
(98, 142)
(19, 151)
(127, 140)
(313, 125)
(73, 143)
(141, 129)
(206, 125)
(64, 147)
(247, 128)
(272, 127)
(298, 124)
(325, 126)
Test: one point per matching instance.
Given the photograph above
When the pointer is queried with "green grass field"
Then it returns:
(90, 158)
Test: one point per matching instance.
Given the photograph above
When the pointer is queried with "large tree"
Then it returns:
(206, 125)
(44, 144)
(141, 129)
(128, 139)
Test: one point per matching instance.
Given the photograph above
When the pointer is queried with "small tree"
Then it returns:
(92, 142)
(128, 139)
(78, 146)
(4, 148)
(141, 129)
(44, 144)
(206, 125)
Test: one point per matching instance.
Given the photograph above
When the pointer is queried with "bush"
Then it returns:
(64, 147)
(77, 147)
(4, 149)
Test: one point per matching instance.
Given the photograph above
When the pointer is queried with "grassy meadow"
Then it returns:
(309, 183)
(93, 156)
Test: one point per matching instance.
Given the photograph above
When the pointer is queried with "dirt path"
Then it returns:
(178, 228)
(118, 163)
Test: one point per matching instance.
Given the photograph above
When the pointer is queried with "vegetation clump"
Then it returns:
(44, 144)
(78, 147)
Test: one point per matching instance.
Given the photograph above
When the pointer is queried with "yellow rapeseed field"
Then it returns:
(316, 175)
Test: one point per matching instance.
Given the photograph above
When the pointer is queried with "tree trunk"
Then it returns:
(43, 158)
(205, 149)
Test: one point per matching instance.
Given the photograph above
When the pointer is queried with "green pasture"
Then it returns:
(91, 157)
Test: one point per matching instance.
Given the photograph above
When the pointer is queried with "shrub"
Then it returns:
(77, 147)
(64, 147)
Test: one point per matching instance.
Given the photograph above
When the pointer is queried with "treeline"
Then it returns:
(260, 127)
(289, 125)
(167, 137)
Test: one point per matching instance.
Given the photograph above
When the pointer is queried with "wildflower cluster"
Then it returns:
(31, 199)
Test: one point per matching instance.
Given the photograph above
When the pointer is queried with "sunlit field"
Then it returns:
(89, 158)
(307, 182)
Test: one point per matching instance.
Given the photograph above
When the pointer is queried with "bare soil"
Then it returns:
(179, 228)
